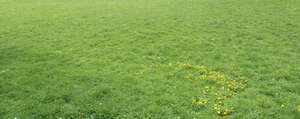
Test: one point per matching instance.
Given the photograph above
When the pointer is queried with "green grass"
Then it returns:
(90, 59)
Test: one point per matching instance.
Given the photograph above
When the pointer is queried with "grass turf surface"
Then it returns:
(132, 58)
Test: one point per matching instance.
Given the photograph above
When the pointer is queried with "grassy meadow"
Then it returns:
(149, 59)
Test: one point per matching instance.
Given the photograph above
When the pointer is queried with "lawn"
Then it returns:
(158, 59)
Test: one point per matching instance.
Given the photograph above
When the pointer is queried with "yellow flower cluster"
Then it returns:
(224, 85)
(200, 102)
(214, 76)
(221, 86)
(221, 111)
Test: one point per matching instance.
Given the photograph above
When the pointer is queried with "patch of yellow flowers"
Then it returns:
(220, 110)
(224, 86)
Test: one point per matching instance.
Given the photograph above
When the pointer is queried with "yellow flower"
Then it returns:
(170, 64)
(93, 92)
(282, 105)
(219, 112)
(242, 87)
(298, 108)
(59, 52)
(188, 77)
(219, 98)
(216, 107)
(202, 102)
(193, 101)
(225, 113)
(203, 77)
(220, 102)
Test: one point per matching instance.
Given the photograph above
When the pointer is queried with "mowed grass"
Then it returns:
(176, 59)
